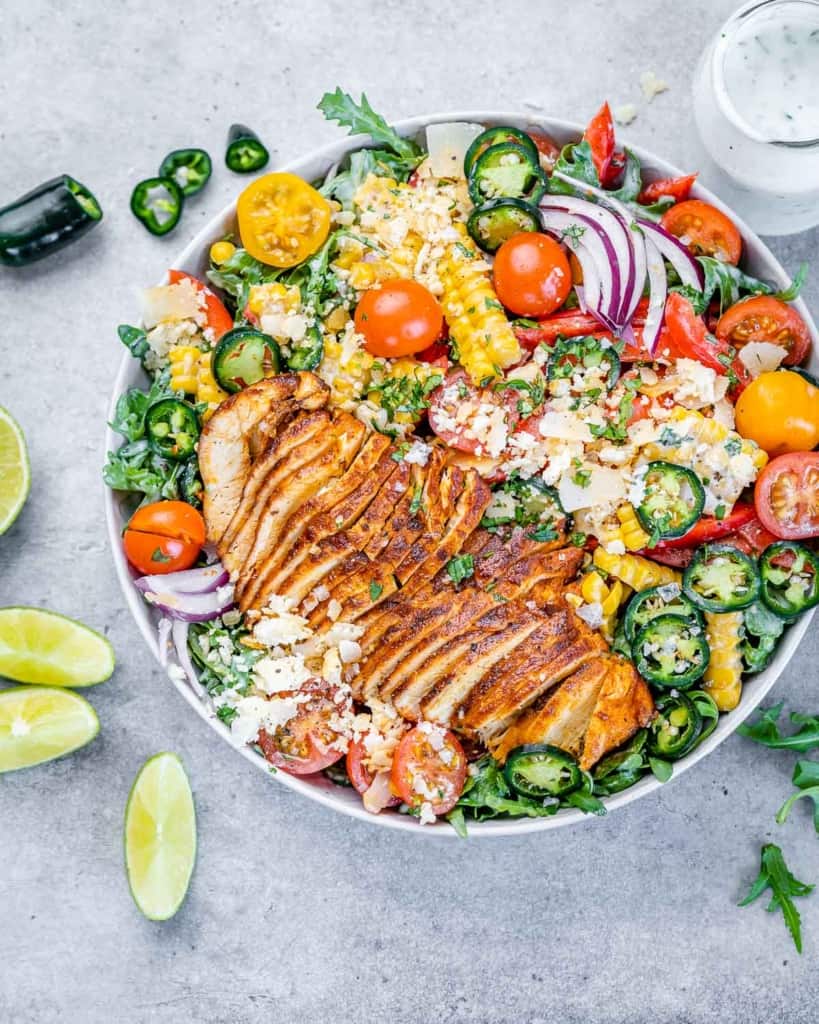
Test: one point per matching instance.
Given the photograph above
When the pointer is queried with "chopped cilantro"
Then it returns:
(375, 590)
(460, 568)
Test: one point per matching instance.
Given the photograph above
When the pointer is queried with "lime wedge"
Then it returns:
(37, 646)
(15, 473)
(160, 837)
(38, 724)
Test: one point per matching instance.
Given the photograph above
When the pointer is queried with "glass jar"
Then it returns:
(756, 108)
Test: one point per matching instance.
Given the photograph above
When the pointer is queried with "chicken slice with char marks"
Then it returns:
(464, 660)
(241, 428)
(336, 507)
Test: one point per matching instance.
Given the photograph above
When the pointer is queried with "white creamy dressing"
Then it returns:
(771, 73)
(756, 108)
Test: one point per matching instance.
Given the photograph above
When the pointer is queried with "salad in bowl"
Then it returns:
(472, 475)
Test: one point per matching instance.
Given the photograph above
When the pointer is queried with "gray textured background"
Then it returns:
(296, 914)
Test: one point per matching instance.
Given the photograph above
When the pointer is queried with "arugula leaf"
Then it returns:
(806, 780)
(762, 632)
(774, 875)
(361, 119)
(342, 185)
(731, 284)
(136, 468)
(135, 340)
(766, 730)
(131, 407)
(662, 770)
(576, 161)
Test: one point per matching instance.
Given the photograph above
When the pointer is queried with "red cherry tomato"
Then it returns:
(787, 496)
(399, 318)
(677, 188)
(163, 537)
(709, 528)
(764, 318)
(704, 229)
(459, 412)
(571, 323)
(532, 274)
(306, 744)
(361, 777)
(429, 767)
(219, 319)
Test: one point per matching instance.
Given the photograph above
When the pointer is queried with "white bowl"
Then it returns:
(758, 259)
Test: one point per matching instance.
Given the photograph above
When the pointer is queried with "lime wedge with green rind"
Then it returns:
(38, 723)
(160, 837)
(42, 647)
(15, 471)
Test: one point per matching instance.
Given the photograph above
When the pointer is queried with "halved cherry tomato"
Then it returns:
(436, 355)
(780, 411)
(398, 318)
(219, 320)
(454, 405)
(306, 743)
(547, 148)
(361, 777)
(764, 318)
(600, 137)
(165, 536)
(282, 219)
(429, 767)
(787, 496)
(687, 337)
(678, 188)
(704, 229)
(532, 274)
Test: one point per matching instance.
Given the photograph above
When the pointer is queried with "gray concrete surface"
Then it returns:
(296, 914)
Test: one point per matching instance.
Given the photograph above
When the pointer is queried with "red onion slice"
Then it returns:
(163, 636)
(688, 269)
(594, 246)
(180, 643)
(191, 607)
(634, 242)
(658, 290)
(192, 581)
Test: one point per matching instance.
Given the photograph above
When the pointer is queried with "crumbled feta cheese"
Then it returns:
(418, 453)
(273, 675)
(333, 610)
(762, 357)
(696, 385)
(625, 113)
(256, 713)
(349, 651)
(652, 85)
(426, 815)
(591, 614)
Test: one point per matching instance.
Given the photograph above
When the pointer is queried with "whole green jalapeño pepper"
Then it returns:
(47, 219)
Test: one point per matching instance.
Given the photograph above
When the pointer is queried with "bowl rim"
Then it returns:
(323, 791)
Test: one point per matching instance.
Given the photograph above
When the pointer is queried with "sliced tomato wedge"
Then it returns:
(709, 528)
(429, 768)
(547, 148)
(787, 496)
(764, 318)
(686, 337)
(307, 743)
(463, 415)
(600, 137)
(677, 188)
(752, 538)
(362, 779)
(219, 319)
(572, 323)
(675, 558)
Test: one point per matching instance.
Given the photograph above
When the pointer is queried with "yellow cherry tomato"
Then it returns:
(282, 219)
(780, 411)
(220, 252)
